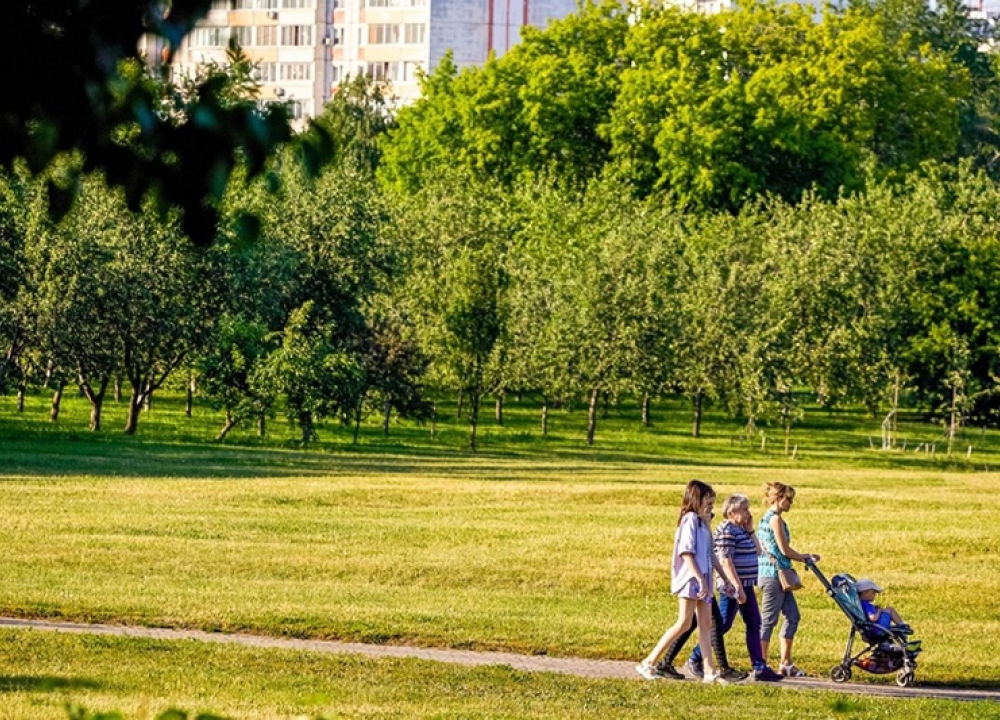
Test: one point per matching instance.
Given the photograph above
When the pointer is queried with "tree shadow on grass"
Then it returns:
(45, 683)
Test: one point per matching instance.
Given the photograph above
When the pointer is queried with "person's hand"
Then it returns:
(741, 597)
(813, 558)
(704, 591)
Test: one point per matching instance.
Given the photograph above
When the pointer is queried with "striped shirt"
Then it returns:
(734, 542)
(768, 543)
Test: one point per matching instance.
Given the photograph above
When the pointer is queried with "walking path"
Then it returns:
(531, 663)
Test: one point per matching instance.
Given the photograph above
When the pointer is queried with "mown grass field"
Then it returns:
(537, 545)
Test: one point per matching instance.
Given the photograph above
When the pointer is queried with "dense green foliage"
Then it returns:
(635, 202)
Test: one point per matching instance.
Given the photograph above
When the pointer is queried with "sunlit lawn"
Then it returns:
(537, 545)
(45, 672)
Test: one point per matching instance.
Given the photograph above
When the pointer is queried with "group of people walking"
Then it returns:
(745, 557)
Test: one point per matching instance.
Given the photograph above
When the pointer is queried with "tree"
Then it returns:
(538, 110)
(82, 87)
(457, 232)
(317, 378)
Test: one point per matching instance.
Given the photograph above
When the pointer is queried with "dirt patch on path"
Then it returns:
(530, 663)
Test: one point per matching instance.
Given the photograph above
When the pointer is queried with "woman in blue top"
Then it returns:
(777, 553)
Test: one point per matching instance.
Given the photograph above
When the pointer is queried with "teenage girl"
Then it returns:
(691, 580)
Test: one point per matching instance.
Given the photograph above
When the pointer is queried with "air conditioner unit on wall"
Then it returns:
(273, 14)
(279, 92)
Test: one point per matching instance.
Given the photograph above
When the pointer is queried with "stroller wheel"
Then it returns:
(840, 673)
(904, 678)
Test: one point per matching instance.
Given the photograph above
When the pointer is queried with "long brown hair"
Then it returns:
(694, 495)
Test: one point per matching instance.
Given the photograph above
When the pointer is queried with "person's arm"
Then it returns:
(704, 591)
(729, 571)
(781, 539)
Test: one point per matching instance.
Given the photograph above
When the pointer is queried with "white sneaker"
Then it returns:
(716, 679)
(647, 671)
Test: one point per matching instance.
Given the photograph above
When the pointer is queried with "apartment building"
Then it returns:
(304, 49)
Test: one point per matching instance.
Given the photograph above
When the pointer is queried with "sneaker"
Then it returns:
(716, 679)
(647, 671)
(666, 671)
(733, 675)
(791, 671)
(766, 674)
(695, 668)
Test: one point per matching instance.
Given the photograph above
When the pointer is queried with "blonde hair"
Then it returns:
(775, 491)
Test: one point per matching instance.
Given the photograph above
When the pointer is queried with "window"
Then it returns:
(295, 109)
(410, 71)
(296, 35)
(414, 33)
(243, 34)
(209, 37)
(296, 71)
(266, 71)
(335, 74)
(296, 4)
(267, 35)
(242, 4)
(267, 4)
(378, 3)
(220, 4)
(337, 36)
(418, 3)
(383, 71)
(383, 34)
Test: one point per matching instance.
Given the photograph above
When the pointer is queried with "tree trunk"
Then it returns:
(592, 416)
(20, 397)
(118, 388)
(147, 398)
(306, 423)
(953, 422)
(645, 410)
(458, 405)
(189, 400)
(56, 402)
(473, 417)
(605, 405)
(96, 401)
(357, 422)
(386, 414)
(229, 425)
(696, 427)
(135, 402)
(545, 419)
(499, 408)
(261, 425)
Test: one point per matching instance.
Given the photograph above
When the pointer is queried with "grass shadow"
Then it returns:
(45, 683)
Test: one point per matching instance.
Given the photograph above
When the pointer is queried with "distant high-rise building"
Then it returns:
(304, 49)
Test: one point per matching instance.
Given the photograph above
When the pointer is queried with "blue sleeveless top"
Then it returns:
(768, 543)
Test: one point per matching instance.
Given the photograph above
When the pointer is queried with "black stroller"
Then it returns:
(886, 650)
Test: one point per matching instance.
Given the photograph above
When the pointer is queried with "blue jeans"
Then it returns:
(750, 612)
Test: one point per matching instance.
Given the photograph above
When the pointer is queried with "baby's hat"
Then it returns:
(867, 584)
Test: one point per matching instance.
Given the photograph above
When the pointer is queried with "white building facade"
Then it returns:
(303, 49)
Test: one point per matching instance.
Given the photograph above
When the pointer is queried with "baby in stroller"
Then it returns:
(888, 645)
(885, 617)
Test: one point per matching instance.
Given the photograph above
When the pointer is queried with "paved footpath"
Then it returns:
(530, 663)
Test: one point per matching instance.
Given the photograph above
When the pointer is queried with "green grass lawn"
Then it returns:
(46, 672)
(538, 545)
